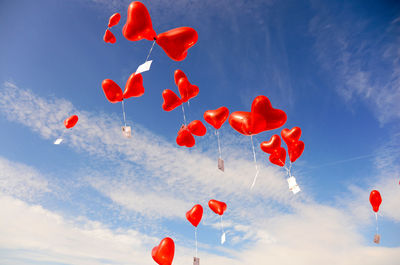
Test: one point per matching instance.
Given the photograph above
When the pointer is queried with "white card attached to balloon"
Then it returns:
(58, 141)
(127, 131)
(293, 185)
(144, 67)
(221, 164)
(196, 261)
(223, 238)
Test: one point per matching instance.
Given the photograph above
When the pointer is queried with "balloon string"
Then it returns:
(148, 55)
(288, 169)
(195, 237)
(255, 162)
(222, 225)
(376, 220)
(184, 116)
(219, 145)
(123, 112)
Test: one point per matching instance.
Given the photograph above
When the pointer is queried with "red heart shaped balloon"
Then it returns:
(171, 100)
(375, 199)
(109, 37)
(187, 90)
(278, 157)
(195, 214)
(217, 206)
(176, 42)
(216, 117)
(163, 254)
(71, 121)
(138, 25)
(295, 150)
(134, 86)
(263, 117)
(178, 75)
(273, 144)
(197, 128)
(291, 136)
(185, 138)
(112, 91)
(114, 20)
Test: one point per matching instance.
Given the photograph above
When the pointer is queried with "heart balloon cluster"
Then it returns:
(133, 88)
(273, 147)
(292, 140)
(113, 21)
(185, 134)
(186, 91)
(263, 117)
(175, 42)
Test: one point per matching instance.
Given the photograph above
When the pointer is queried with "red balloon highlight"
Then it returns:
(375, 199)
(138, 24)
(134, 86)
(109, 37)
(185, 137)
(171, 100)
(216, 117)
(163, 254)
(176, 42)
(112, 91)
(217, 206)
(114, 20)
(71, 121)
(195, 214)
(197, 128)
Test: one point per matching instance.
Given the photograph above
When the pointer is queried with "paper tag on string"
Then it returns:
(377, 238)
(196, 261)
(293, 185)
(126, 131)
(144, 67)
(221, 164)
(223, 238)
(58, 141)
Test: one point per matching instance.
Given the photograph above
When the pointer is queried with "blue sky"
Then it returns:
(98, 198)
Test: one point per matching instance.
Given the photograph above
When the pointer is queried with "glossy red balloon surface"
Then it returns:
(185, 137)
(114, 20)
(109, 37)
(195, 214)
(138, 25)
(263, 117)
(187, 90)
(216, 117)
(163, 254)
(295, 150)
(134, 86)
(217, 206)
(375, 199)
(71, 121)
(273, 147)
(112, 91)
(171, 100)
(291, 136)
(176, 42)
(178, 75)
(197, 128)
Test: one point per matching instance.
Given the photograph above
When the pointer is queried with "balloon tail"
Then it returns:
(123, 112)
(148, 55)
(195, 237)
(255, 163)
(184, 116)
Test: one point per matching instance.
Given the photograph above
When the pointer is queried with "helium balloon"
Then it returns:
(171, 100)
(263, 117)
(112, 91)
(163, 254)
(273, 147)
(176, 42)
(187, 90)
(138, 25)
(375, 199)
(195, 214)
(295, 150)
(185, 138)
(216, 117)
(71, 121)
(114, 20)
(109, 37)
(291, 136)
(178, 75)
(197, 128)
(217, 206)
(134, 86)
